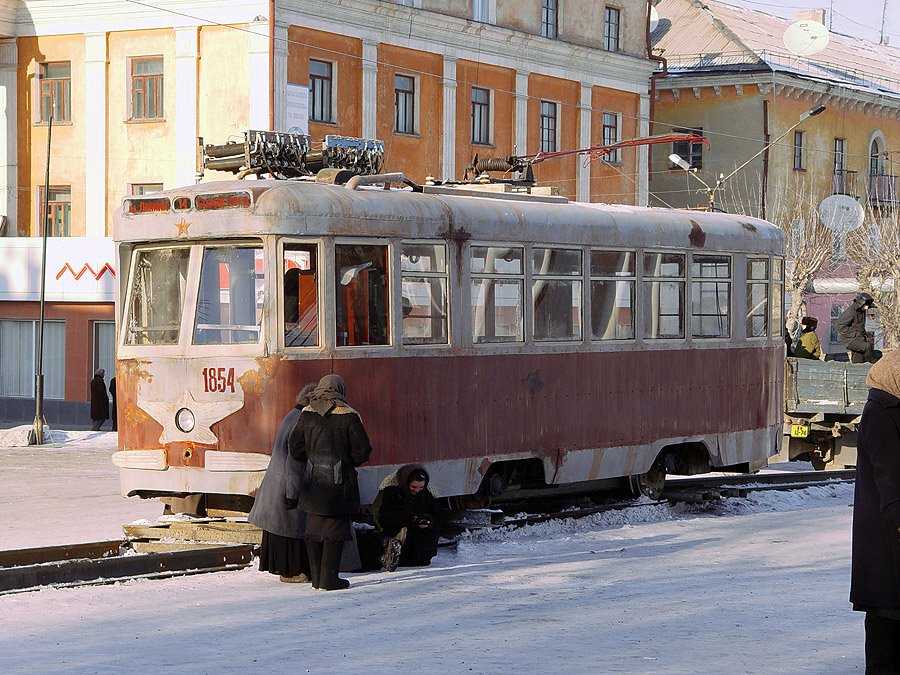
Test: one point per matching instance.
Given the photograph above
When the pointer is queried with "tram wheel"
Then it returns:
(650, 484)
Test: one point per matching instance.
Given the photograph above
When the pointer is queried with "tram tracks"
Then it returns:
(117, 560)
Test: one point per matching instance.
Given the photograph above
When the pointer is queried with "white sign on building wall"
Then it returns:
(79, 269)
(296, 110)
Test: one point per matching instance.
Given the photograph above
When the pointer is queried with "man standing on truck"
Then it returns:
(851, 326)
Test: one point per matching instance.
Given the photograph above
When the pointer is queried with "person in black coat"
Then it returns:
(283, 551)
(406, 510)
(875, 576)
(99, 400)
(331, 441)
(851, 327)
(115, 410)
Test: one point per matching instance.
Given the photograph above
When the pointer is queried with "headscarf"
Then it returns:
(885, 374)
(328, 393)
(100, 372)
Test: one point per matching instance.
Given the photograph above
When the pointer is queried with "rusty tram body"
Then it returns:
(503, 341)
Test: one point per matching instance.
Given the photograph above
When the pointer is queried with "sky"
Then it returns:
(859, 18)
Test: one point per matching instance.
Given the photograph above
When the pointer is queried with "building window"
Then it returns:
(799, 151)
(663, 299)
(481, 10)
(404, 104)
(710, 296)
(876, 159)
(498, 284)
(692, 153)
(548, 126)
(301, 295)
(361, 285)
(56, 91)
(147, 88)
(611, 135)
(424, 287)
(105, 348)
(140, 189)
(833, 335)
(839, 156)
(59, 203)
(481, 116)
(320, 91)
(549, 18)
(612, 295)
(757, 297)
(18, 357)
(556, 293)
(611, 25)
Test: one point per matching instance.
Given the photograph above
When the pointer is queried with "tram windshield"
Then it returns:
(157, 296)
(230, 302)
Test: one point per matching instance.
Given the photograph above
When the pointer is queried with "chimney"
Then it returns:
(810, 15)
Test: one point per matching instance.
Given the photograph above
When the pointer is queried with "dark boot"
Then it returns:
(331, 565)
(314, 551)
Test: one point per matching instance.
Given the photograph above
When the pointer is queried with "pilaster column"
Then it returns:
(95, 205)
(186, 130)
(9, 180)
(521, 113)
(369, 89)
(583, 182)
(280, 80)
(259, 75)
(448, 158)
(642, 170)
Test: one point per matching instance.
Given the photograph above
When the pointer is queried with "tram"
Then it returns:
(504, 341)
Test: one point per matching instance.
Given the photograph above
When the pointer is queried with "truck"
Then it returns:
(823, 402)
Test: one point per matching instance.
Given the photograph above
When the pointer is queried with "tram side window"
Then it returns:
(423, 270)
(777, 327)
(612, 295)
(711, 296)
(556, 293)
(361, 285)
(229, 306)
(498, 285)
(663, 286)
(158, 280)
(757, 297)
(300, 297)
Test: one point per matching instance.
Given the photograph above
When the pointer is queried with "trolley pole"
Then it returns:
(36, 437)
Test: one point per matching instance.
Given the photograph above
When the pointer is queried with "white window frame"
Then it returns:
(334, 89)
(557, 118)
(129, 81)
(615, 157)
(489, 7)
(29, 385)
(417, 95)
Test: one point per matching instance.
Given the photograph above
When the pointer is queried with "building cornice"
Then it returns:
(368, 20)
(785, 85)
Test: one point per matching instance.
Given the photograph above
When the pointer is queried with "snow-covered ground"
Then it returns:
(757, 585)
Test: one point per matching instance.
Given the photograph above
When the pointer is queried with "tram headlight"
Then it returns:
(184, 420)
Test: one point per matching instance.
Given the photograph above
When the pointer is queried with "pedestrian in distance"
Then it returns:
(808, 346)
(331, 442)
(282, 551)
(99, 400)
(851, 327)
(875, 576)
(407, 515)
(115, 409)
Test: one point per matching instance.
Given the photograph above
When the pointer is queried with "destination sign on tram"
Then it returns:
(150, 205)
(222, 200)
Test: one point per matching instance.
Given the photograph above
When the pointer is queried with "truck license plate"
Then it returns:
(799, 430)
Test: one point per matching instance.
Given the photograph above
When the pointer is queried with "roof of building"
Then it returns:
(714, 36)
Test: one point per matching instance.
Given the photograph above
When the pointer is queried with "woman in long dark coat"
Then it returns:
(99, 400)
(331, 441)
(282, 551)
(875, 578)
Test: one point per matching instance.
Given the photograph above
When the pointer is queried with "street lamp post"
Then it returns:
(711, 190)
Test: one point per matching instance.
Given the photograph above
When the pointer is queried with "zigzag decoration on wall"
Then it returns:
(87, 268)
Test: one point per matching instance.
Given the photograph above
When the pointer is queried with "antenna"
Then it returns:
(841, 213)
(805, 38)
(654, 19)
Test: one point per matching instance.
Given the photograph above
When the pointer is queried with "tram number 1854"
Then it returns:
(218, 380)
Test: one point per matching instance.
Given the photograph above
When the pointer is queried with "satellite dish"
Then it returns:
(654, 19)
(805, 38)
(841, 213)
